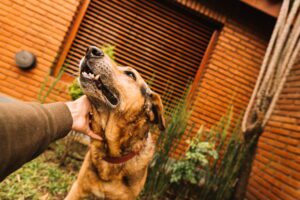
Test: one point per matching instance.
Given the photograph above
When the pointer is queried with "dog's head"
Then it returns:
(121, 96)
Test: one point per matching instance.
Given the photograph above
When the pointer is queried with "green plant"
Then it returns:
(109, 50)
(210, 167)
(158, 180)
(42, 97)
(219, 176)
(74, 90)
(197, 158)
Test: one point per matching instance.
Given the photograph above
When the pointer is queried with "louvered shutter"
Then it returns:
(164, 42)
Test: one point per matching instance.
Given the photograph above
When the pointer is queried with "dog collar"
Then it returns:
(122, 159)
(126, 157)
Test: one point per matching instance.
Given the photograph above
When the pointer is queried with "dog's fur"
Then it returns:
(123, 121)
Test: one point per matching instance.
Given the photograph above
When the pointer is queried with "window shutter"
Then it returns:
(164, 42)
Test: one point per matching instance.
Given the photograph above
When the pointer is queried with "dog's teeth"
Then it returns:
(97, 77)
(85, 75)
(88, 75)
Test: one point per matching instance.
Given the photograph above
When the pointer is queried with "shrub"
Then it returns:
(208, 170)
(158, 180)
(74, 90)
(197, 158)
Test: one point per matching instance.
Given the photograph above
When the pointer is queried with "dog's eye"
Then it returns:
(130, 74)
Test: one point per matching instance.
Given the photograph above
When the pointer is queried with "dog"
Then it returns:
(123, 109)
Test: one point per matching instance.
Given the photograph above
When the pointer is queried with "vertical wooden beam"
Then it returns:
(203, 64)
(72, 34)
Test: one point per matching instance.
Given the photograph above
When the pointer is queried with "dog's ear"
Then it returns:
(156, 111)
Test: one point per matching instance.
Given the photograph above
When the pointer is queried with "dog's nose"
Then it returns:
(94, 52)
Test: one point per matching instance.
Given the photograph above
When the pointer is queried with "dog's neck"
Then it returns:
(113, 147)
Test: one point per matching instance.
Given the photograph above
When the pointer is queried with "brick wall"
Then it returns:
(229, 78)
(230, 74)
(39, 27)
(275, 174)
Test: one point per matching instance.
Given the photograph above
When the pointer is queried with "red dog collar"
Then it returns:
(122, 159)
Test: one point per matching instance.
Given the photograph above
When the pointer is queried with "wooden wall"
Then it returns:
(164, 43)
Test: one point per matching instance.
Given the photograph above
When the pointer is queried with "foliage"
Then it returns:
(109, 50)
(42, 97)
(158, 180)
(74, 89)
(209, 170)
(42, 177)
(192, 167)
(216, 179)
(221, 176)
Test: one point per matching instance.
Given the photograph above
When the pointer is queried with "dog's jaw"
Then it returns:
(96, 80)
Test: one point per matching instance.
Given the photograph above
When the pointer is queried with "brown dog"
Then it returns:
(123, 109)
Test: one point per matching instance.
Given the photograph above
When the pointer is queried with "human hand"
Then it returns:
(80, 109)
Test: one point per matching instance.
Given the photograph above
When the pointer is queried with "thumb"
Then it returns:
(90, 133)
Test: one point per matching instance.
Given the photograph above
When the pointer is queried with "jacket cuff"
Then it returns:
(61, 118)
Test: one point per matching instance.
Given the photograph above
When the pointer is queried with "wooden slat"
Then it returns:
(161, 64)
(155, 54)
(153, 37)
(86, 36)
(179, 17)
(165, 66)
(162, 36)
(149, 18)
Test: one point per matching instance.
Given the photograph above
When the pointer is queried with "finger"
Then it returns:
(93, 135)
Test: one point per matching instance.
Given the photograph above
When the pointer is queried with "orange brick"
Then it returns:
(10, 92)
(2, 76)
(8, 73)
(285, 170)
(283, 195)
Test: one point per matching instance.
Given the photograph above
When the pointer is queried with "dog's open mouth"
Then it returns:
(108, 93)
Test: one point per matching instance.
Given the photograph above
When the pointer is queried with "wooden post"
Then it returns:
(203, 64)
(72, 34)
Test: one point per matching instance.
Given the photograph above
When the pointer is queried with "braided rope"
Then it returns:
(280, 56)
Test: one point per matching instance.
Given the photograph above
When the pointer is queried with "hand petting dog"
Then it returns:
(80, 110)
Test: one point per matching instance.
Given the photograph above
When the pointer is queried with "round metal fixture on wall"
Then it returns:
(25, 60)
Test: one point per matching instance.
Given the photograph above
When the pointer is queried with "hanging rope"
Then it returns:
(281, 54)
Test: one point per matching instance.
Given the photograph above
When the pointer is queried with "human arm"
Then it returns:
(26, 129)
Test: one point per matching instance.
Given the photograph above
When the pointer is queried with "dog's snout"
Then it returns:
(94, 52)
